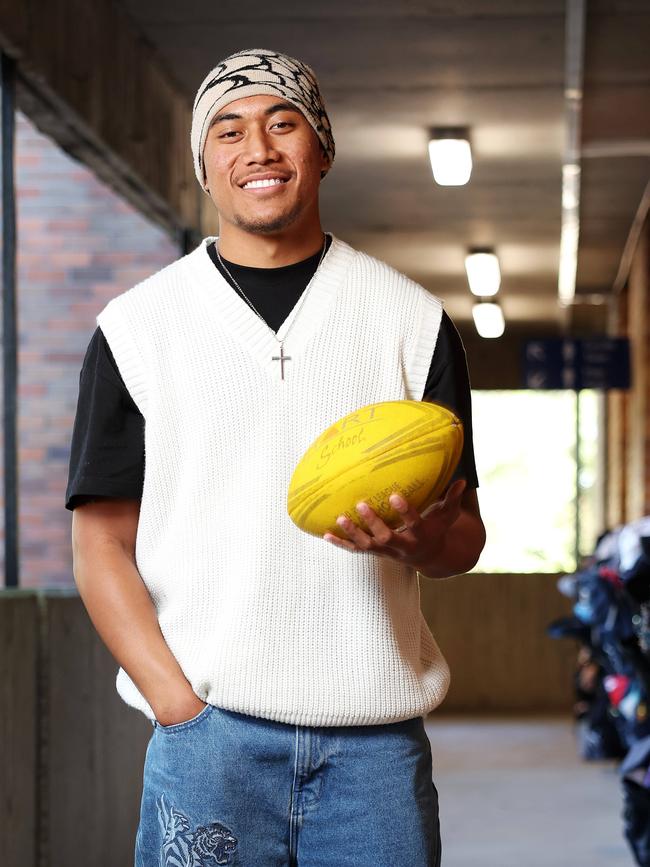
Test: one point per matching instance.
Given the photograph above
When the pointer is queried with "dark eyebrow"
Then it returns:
(278, 106)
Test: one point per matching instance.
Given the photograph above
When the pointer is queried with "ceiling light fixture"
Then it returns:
(451, 155)
(574, 44)
(488, 319)
(483, 272)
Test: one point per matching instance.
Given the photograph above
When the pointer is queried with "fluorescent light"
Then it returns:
(483, 273)
(450, 155)
(574, 56)
(569, 234)
(568, 266)
(488, 318)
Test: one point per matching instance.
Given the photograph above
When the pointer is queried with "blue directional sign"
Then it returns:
(577, 363)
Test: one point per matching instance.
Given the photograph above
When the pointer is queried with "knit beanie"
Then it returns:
(249, 73)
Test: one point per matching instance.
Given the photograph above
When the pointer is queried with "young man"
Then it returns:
(286, 676)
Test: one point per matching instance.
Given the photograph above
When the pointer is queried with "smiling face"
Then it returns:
(263, 164)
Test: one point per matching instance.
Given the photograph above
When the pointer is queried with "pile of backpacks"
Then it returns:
(611, 623)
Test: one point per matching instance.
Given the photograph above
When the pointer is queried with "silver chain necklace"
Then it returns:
(281, 357)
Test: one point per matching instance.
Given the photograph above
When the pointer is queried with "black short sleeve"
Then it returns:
(448, 383)
(107, 449)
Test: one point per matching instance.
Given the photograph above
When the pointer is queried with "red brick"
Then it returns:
(75, 253)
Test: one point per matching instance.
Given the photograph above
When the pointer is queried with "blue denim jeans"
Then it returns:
(228, 788)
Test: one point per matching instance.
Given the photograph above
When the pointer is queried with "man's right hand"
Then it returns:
(118, 602)
(180, 710)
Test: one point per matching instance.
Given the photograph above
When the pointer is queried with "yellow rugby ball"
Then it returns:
(409, 447)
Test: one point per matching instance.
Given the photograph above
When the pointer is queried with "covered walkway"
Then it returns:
(532, 801)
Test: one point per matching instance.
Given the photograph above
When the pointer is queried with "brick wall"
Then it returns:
(79, 245)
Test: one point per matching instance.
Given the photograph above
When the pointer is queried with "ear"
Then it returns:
(324, 162)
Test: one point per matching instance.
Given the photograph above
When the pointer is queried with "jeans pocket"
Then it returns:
(185, 724)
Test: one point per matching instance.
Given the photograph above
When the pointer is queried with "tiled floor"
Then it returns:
(514, 793)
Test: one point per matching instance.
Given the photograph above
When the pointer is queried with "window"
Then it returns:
(525, 444)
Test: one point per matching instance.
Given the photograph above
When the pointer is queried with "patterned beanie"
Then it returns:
(249, 73)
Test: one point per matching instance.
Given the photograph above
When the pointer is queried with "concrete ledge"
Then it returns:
(492, 632)
(71, 751)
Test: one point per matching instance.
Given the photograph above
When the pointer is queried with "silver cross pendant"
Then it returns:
(281, 358)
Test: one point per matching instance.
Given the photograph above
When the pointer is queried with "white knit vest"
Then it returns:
(263, 618)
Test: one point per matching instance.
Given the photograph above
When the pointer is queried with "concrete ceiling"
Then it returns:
(389, 71)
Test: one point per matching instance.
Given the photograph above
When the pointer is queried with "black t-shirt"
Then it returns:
(107, 448)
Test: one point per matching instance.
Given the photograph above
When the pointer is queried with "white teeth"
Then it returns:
(271, 182)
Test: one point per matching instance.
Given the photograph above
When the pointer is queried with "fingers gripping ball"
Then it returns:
(409, 447)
